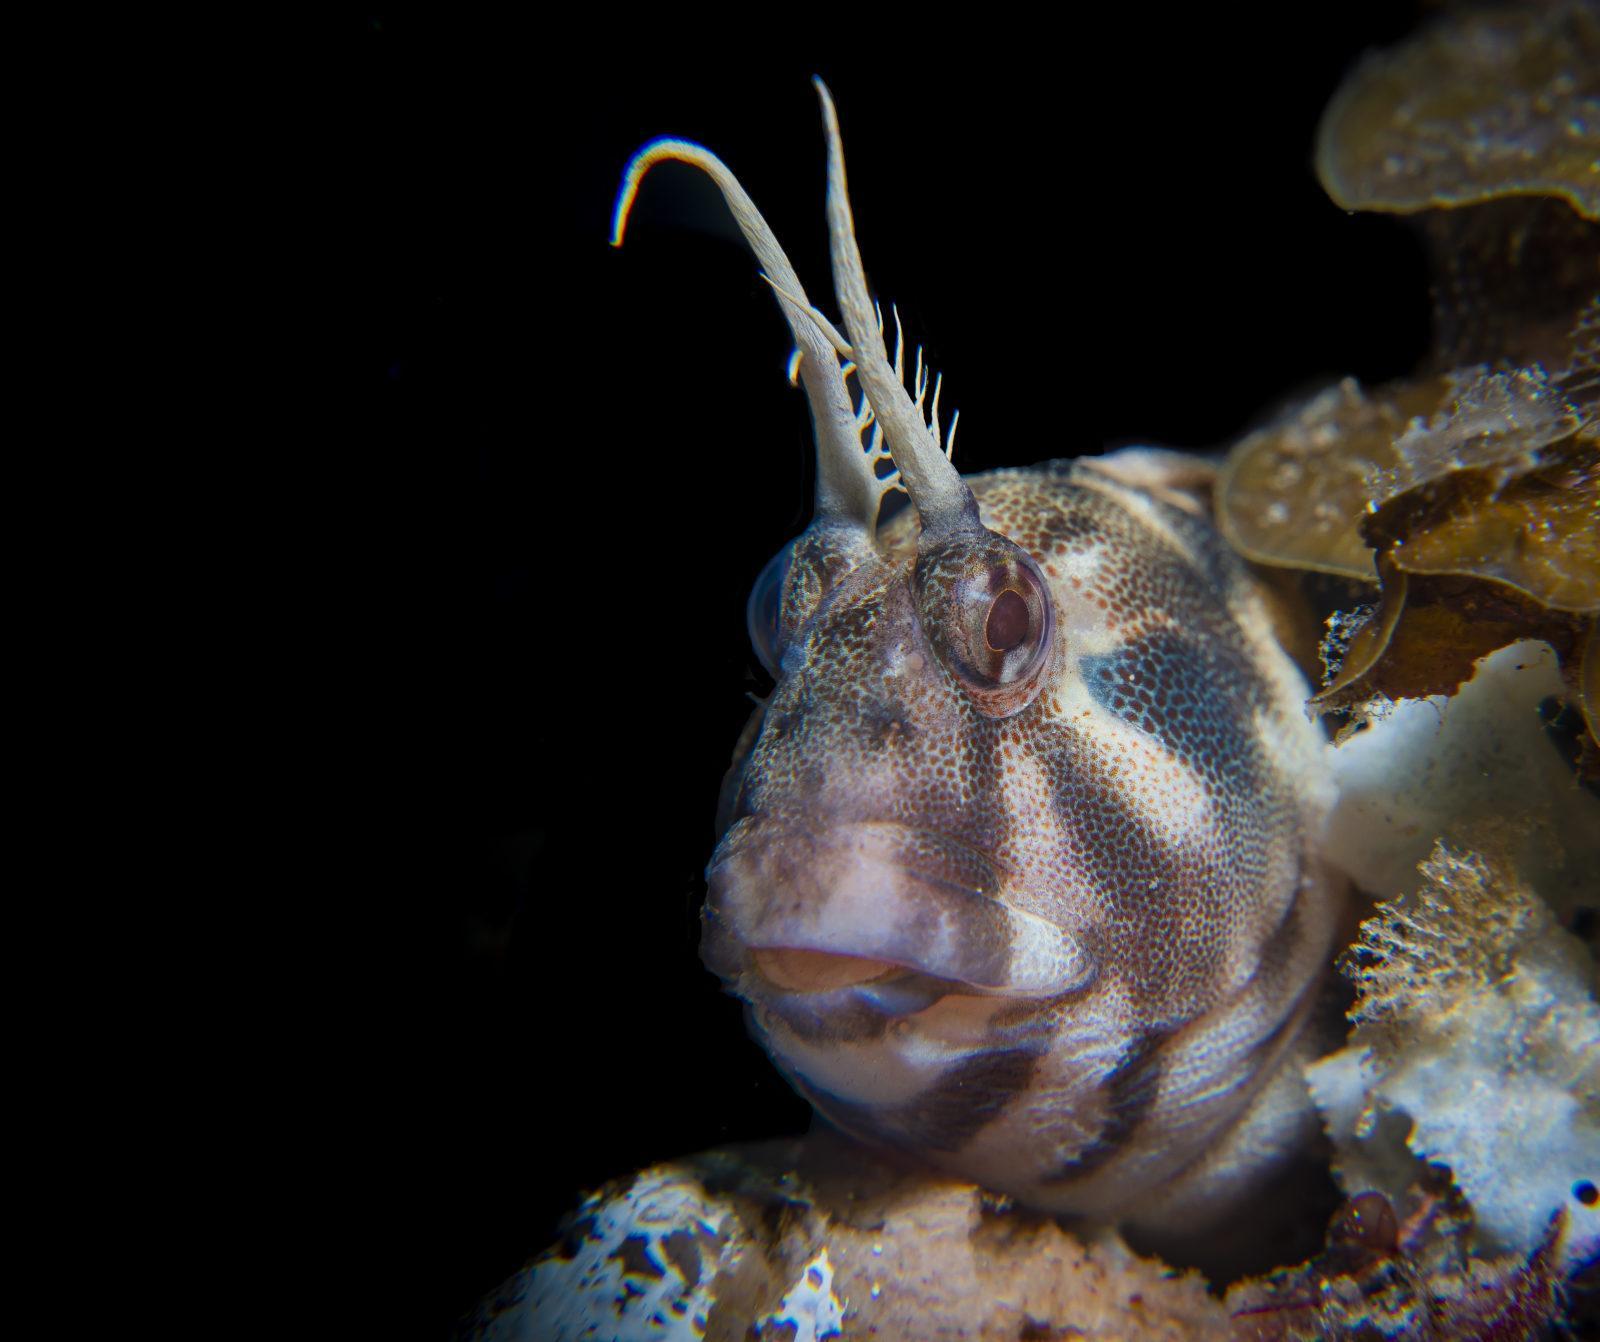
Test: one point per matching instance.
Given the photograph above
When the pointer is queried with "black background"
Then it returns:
(1102, 235)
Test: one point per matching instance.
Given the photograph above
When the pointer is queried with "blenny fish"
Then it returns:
(1019, 869)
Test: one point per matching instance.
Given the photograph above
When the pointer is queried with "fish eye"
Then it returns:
(765, 605)
(988, 613)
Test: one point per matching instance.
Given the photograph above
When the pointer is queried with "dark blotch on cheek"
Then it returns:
(1007, 624)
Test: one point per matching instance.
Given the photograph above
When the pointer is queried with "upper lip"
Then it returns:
(916, 898)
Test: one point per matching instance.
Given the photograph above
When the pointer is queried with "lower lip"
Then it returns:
(817, 971)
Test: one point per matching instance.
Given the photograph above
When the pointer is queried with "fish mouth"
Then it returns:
(880, 914)
(803, 971)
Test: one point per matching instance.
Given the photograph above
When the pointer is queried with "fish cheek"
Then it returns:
(1163, 909)
(863, 707)
(732, 798)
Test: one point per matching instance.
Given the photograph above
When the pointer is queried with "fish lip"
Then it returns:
(920, 899)
(904, 995)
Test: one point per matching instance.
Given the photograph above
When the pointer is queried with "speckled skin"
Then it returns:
(1096, 924)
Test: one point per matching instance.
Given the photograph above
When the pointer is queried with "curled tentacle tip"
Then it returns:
(644, 159)
(632, 175)
(628, 192)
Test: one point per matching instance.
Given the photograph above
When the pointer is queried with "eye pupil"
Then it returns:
(1007, 624)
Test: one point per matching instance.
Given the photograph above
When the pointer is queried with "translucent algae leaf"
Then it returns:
(1497, 487)
(1471, 498)
(1495, 422)
(1429, 632)
(1497, 103)
(1294, 493)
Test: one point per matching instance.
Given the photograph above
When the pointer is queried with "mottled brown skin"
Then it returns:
(1057, 939)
